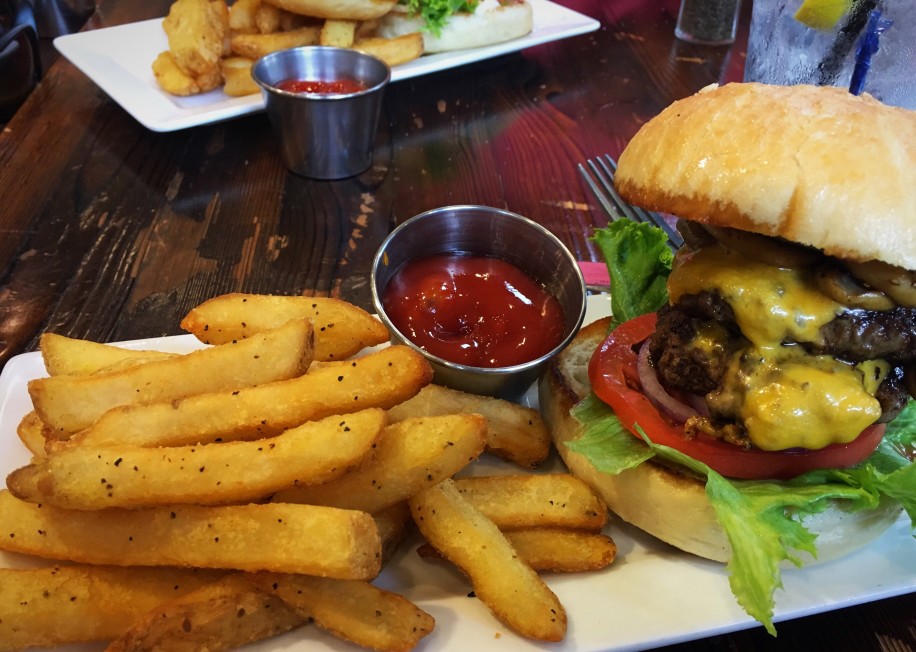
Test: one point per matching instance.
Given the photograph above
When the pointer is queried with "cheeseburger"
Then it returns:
(756, 410)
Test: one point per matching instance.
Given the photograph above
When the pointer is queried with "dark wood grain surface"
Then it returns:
(109, 231)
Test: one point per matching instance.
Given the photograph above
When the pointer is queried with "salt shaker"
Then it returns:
(708, 22)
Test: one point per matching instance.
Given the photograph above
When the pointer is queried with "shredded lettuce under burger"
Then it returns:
(760, 518)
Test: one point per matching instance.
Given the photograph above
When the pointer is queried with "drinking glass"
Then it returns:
(871, 49)
(708, 22)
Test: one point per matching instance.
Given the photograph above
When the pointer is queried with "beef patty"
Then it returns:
(695, 339)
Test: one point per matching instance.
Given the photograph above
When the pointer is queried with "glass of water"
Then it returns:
(878, 35)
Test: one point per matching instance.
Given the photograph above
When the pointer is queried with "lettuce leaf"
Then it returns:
(435, 13)
(605, 441)
(761, 519)
(639, 261)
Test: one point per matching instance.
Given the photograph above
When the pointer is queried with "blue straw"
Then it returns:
(868, 46)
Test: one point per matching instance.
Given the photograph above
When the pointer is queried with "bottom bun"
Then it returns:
(670, 503)
(486, 26)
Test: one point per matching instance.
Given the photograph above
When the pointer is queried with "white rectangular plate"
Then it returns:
(119, 60)
(651, 595)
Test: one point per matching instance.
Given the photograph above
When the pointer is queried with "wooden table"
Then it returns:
(112, 232)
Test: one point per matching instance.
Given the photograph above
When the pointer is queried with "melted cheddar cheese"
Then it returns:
(785, 397)
(788, 399)
(771, 305)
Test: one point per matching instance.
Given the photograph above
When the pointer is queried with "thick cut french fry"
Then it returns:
(255, 46)
(366, 29)
(525, 501)
(237, 79)
(393, 51)
(211, 79)
(195, 31)
(267, 18)
(410, 456)
(77, 604)
(85, 477)
(284, 538)
(31, 432)
(381, 379)
(171, 78)
(553, 550)
(72, 403)
(242, 16)
(65, 356)
(352, 610)
(337, 33)
(221, 616)
(514, 432)
(564, 551)
(341, 329)
(509, 587)
(393, 524)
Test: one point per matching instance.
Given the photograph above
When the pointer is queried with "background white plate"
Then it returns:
(119, 60)
(651, 595)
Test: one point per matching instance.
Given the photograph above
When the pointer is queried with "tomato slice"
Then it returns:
(613, 375)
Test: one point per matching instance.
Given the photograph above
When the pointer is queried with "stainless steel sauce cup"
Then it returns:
(322, 135)
(483, 230)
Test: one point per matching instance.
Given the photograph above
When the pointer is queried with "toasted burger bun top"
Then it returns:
(666, 502)
(491, 23)
(814, 165)
(337, 9)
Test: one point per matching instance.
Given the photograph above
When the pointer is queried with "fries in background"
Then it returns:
(242, 16)
(237, 80)
(338, 33)
(255, 46)
(393, 51)
(199, 30)
(196, 30)
(296, 486)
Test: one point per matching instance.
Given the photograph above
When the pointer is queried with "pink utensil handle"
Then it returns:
(595, 273)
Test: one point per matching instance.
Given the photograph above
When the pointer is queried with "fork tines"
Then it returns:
(599, 177)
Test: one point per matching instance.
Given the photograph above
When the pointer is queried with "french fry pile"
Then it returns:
(212, 44)
(259, 484)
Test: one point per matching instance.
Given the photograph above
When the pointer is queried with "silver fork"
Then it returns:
(599, 177)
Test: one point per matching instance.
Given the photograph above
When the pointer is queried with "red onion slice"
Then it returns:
(657, 394)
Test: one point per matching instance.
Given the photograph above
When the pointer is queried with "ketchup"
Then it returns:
(473, 310)
(336, 87)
